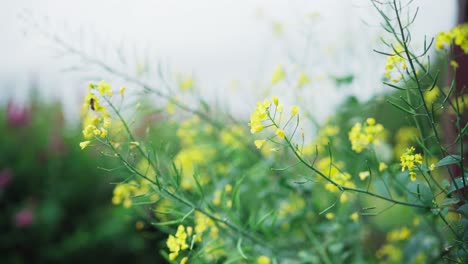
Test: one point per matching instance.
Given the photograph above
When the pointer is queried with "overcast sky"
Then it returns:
(221, 42)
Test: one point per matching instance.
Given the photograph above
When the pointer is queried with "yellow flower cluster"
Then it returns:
(260, 114)
(409, 161)
(458, 34)
(189, 160)
(335, 172)
(399, 234)
(97, 121)
(230, 137)
(193, 156)
(395, 62)
(322, 140)
(389, 253)
(362, 135)
(188, 130)
(292, 206)
(178, 243)
(204, 223)
(218, 196)
(404, 138)
(123, 192)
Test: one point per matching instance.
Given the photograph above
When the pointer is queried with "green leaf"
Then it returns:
(343, 80)
(451, 159)
(173, 222)
(239, 248)
(419, 194)
(449, 201)
(457, 185)
(463, 210)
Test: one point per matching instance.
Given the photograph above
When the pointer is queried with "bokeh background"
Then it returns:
(229, 47)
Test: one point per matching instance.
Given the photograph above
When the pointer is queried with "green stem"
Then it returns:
(420, 90)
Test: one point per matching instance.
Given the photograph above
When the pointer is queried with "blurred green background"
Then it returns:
(55, 203)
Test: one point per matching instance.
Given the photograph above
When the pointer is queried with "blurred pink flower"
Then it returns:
(5, 178)
(17, 116)
(24, 218)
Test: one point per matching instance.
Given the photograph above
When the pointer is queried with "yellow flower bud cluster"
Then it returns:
(361, 135)
(458, 35)
(409, 160)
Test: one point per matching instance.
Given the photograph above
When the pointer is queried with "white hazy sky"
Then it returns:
(219, 41)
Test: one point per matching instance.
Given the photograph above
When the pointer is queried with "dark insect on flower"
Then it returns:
(91, 104)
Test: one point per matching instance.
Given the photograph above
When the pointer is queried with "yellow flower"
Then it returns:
(184, 260)
(432, 167)
(177, 243)
(217, 197)
(303, 80)
(431, 95)
(280, 108)
(399, 234)
(278, 75)
(390, 253)
(135, 143)
(361, 135)
(260, 114)
(275, 100)
(382, 166)
(329, 216)
(280, 133)
(103, 132)
(228, 188)
(259, 143)
(294, 110)
(96, 117)
(363, 175)
(263, 260)
(84, 144)
(186, 84)
(458, 35)
(454, 64)
(393, 65)
(122, 90)
(354, 216)
(409, 160)
(104, 88)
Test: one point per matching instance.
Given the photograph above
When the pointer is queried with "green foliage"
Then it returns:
(55, 206)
